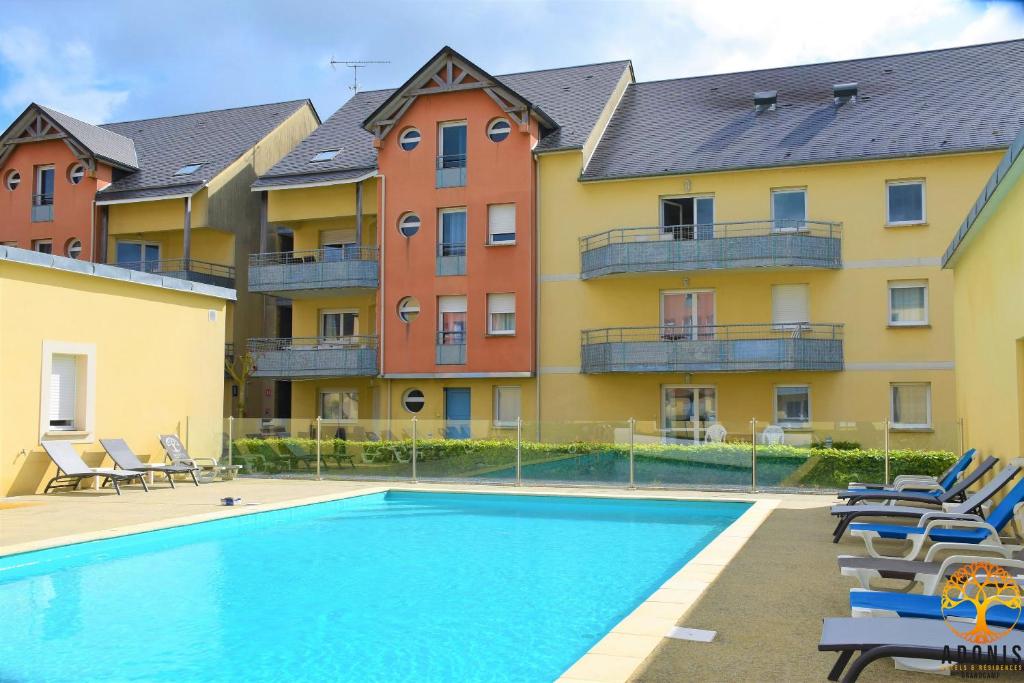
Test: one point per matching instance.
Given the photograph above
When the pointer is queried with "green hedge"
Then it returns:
(812, 466)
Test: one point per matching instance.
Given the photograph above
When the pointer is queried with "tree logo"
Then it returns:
(982, 585)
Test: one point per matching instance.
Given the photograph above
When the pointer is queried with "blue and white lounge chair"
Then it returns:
(956, 492)
(917, 482)
(945, 527)
(925, 572)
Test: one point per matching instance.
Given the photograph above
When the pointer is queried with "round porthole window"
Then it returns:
(408, 309)
(409, 139)
(75, 173)
(413, 401)
(12, 180)
(498, 130)
(73, 248)
(409, 224)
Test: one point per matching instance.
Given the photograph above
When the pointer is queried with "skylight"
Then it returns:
(325, 155)
(188, 169)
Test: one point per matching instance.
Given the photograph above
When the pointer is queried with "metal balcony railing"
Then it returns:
(712, 246)
(331, 268)
(451, 348)
(451, 258)
(294, 357)
(713, 348)
(451, 170)
(192, 270)
(42, 208)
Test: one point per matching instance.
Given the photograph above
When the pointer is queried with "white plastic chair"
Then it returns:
(716, 433)
(773, 435)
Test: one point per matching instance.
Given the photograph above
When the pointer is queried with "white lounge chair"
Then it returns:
(210, 468)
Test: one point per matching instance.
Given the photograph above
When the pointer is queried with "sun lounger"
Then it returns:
(71, 469)
(126, 459)
(937, 496)
(876, 638)
(926, 572)
(921, 481)
(972, 505)
(210, 469)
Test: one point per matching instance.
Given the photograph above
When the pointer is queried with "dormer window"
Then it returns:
(188, 169)
(325, 155)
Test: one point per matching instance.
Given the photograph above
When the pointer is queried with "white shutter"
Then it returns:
(63, 375)
(507, 404)
(501, 220)
(346, 236)
(501, 303)
(790, 304)
(451, 304)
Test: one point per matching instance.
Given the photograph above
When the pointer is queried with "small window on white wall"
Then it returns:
(911, 405)
(67, 392)
(792, 405)
(339, 405)
(790, 305)
(63, 391)
(501, 224)
(507, 406)
(501, 314)
(904, 202)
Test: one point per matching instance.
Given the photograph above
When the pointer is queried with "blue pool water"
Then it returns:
(396, 586)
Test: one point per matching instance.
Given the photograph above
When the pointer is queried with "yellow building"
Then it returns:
(89, 351)
(987, 260)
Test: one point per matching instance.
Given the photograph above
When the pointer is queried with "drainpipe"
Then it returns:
(536, 296)
(381, 222)
(92, 231)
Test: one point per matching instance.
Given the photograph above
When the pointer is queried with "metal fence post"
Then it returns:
(231, 437)
(632, 438)
(753, 454)
(414, 439)
(519, 451)
(885, 425)
(318, 421)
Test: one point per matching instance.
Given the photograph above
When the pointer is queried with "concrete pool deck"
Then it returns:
(763, 584)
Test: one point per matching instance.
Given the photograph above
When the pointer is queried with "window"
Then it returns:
(687, 412)
(409, 224)
(507, 402)
(451, 323)
(339, 324)
(908, 303)
(501, 224)
(325, 155)
(73, 248)
(911, 405)
(413, 400)
(687, 218)
(688, 315)
(789, 210)
(501, 314)
(792, 405)
(44, 186)
(409, 139)
(188, 169)
(408, 309)
(76, 172)
(498, 130)
(68, 389)
(339, 406)
(42, 246)
(452, 240)
(904, 202)
(138, 255)
(790, 305)
(12, 180)
(338, 245)
(453, 145)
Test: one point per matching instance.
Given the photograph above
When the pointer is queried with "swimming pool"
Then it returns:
(389, 586)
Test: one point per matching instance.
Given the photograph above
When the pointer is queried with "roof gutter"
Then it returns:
(322, 183)
(136, 200)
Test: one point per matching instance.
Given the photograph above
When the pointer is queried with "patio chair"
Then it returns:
(773, 435)
(716, 433)
(948, 527)
(879, 637)
(126, 459)
(209, 468)
(971, 505)
(920, 482)
(71, 469)
(927, 572)
(937, 496)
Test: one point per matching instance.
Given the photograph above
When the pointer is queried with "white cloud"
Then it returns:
(61, 76)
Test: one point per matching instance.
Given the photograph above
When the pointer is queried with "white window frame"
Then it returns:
(338, 311)
(695, 323)
(77, 169)
(407, 132)
(340, 390)
(406, 216)
(789, 190)
(505, 424)
(791, 424)
(892, 405)
(46, 240)
(142, 249)
(494, 124)
(490, 327)
(68, 248)
(85, 394)
(490, 233)
(667, 432)
(908, 284)
(924, 202)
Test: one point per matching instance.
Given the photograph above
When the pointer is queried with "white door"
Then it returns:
(688, 314)
(687, 412)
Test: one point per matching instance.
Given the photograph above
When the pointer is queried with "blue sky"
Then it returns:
(121, 60)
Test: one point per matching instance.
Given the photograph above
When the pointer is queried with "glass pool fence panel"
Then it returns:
(687, 453)
(473, 451)
(575, 453)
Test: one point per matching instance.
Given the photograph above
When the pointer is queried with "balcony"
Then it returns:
(324, 272)
(451, 348)
(714, 348)
(311, 357)
(714, 246)
(451, 259)
(42, 208)
(192, 270)
(451, 170)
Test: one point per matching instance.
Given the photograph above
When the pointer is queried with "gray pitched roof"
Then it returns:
(215, 139)
(572, 96)
(954, 100)
(104, 144)
(1015, 153)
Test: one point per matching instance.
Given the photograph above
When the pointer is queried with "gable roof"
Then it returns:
(214, 139)
(103, 145)
(1013, 156)
(573, 96)
(936, 102)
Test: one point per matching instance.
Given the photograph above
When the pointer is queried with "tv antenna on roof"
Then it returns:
(355, 65)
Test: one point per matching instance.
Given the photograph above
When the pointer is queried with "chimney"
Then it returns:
(765, 100)
(844, 92)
